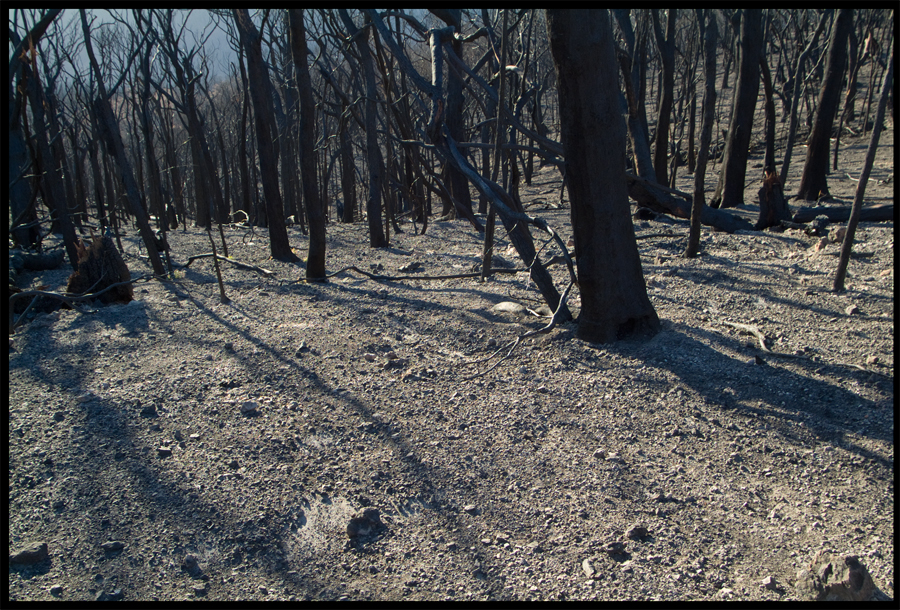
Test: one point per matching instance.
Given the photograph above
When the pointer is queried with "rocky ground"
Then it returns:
(177, 447)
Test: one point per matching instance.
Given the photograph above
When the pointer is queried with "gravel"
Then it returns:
(319, 442)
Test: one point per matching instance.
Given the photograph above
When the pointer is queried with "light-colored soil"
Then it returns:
(740, 464)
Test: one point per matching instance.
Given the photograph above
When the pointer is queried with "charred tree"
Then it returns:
(730, 188)
(613, 294)
(315, 263)
(814, 182)
(709, 35)
(260, 87)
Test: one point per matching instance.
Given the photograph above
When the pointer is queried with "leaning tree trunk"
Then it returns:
(373, 152)
(844, 260)
(813, 183)
(109, 132)
(614, 302)
(709, 116)
(730, 188)
(264, 113)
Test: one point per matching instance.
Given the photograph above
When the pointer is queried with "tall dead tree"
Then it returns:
(613, 294)
(264, 113)
(373, 151)
(112, 139)
(666, 45)
(730, 188)
(709, 35)
(814, 182)
(315, 263)
(856, 210)
(24, 219)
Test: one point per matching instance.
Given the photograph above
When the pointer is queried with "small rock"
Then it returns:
(470, 508)
(34, 553)
(872, 360)
(491, 342)
(600, 454)
(56, 590)
(413, 266)
(178, 435)
(191, 565)
(614, 547)
(149, 411)
(725, 593)
(839, 235)
(110, 597)
(368, 357)
(636, 532)
(769, 583)
(164, 451)
(851, 309)
(234, 465)
(200, 590)
(59, 416)
(112, 546)
(364, 524)
(587, 568)
(263, 590)
(249, 407)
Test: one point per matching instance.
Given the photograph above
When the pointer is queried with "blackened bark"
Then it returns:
(632, 63)
(709, 115)
(315, 263)
(730, 188)
(264, 113)
(813, 183)
(613, 294)
(666, 46)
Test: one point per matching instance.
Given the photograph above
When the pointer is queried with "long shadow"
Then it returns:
(823, 408)
(110, 428)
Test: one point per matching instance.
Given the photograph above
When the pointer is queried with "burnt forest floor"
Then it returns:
(527, 482)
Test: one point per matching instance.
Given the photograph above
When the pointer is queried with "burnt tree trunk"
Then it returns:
(613, 294)
(814, 183)
(264, 113)
(709, 116)
(315, 263)
(730, 188)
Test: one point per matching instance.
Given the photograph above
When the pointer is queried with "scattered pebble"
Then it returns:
(112, 546)
(249, 407)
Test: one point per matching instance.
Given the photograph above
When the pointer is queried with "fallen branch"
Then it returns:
(394, 278)
(754, 330)
(259, 270)
(881, 212)
(554, 320)
(65, 298)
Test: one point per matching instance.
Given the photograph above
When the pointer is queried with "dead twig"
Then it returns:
(754, 330)
(260, 270)
(393, 278)
(554, 320)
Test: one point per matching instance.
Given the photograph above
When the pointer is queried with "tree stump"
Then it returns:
(100, 265)
(773, 207)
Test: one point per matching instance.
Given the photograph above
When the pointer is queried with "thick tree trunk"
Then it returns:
(814, 183)
(262, 110)
(613, 294)
(730, 188)
(315, 263)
